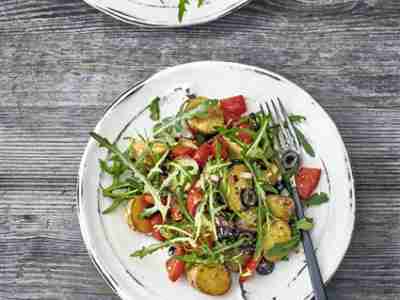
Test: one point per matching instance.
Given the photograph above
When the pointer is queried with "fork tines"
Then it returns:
(287, 136)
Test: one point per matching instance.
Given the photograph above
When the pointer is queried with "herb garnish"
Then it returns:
(154, 108)
(317, 199)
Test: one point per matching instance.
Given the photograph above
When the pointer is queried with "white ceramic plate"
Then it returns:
(110, 241)
(164, 13)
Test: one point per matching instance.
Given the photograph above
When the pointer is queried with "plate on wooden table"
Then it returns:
(167, 13)
(110, 241)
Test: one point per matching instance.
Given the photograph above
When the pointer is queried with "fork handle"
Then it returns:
(312, 263)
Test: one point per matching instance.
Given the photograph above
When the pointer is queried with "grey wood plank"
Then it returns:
(63, 62)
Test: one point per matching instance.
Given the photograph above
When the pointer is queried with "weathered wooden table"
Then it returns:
(62, 62)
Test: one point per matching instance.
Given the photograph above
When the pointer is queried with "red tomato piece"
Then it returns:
(175, 268)
(179, 250)
(194, 198)
(248, 269)
(202, 153)
(176, 213)
(307, 180)
(156, 219)
(233, 108)
(224, 147)
(179, 151)
(243, 135)
(148, 199)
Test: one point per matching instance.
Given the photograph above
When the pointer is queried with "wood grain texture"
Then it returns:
(63, 62)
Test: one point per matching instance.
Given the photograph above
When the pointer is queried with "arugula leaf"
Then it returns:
(303, 141)
(155, 109)
(182, 206)
(297, 118)
(146, 250)
(177, 121)
(104, 167)
(317, 199)
(182, 9)
(283, 249)
(270, 188)
(211, 210)
(260, 135)
(200, 3)
(198, 219)
(103, 142)
(117, 202)
(305, 224)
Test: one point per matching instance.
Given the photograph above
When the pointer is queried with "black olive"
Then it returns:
(253, 121)
(219, 199)
(265, 267)
(236, 161)
(280, 186)
(171, 251)
(248, 197)
(248, 235)
(250, 245)
(290, 160)
(226, 232)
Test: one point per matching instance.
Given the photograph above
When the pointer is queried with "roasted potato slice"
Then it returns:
(135, 222)
(156, 149)
(278, 232)
(234, 149)
(236, 183)
(281, 207)
(205, 125)
(211, 280)
(272, 174)
(248, 219)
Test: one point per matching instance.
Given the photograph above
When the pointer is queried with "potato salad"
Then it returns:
(208, 186)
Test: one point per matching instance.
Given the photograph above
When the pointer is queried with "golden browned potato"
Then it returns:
(241, 260)
(237, 182)
(248, 219)
(211, 280)
(156, 149)
(281, 207)
(207, 124)
(187, 143)
(278, 232)
(135, 222)
(272, 174)
(234, 149)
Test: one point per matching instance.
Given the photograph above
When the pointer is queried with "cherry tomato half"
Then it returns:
(194, 198)
(179, 151)
(202, 153)
(175, 267)
(148, 199)
(224, 147)
(233, 108)
(307, 180)
(156, 219)
(248, 269)
(244, 135)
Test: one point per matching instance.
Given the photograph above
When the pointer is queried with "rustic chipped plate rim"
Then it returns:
(129, 17)
(116, 274)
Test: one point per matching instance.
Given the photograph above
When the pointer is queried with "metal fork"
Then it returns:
(289, 148)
